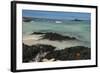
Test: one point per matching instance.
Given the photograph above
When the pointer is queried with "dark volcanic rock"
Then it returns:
(72, 53)
(27, 19)
(57, 55)
(30, 52)
(79, 52)
(54, 36)
(38, 33)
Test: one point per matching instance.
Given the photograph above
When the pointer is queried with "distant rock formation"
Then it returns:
(77, 20)
(27, 19)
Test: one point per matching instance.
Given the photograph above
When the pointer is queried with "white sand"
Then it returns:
(46, 60)
(31, 37)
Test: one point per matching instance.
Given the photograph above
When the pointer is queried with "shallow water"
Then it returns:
(78, 29)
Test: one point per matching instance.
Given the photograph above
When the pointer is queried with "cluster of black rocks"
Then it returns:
(30, 52)
(27, 19)
(72, 53)
(54, 36)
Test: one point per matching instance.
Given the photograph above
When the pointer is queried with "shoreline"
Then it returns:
(36, 39)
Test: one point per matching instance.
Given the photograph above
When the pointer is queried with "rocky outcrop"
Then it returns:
(39, 52)
(54, 36)
(30, 52)
(72, 53)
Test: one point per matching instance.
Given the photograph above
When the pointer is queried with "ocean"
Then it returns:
(79, 29)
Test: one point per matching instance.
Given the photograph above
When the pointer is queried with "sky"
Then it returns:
(56, 15)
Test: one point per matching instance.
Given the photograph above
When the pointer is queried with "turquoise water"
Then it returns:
(78, 29)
